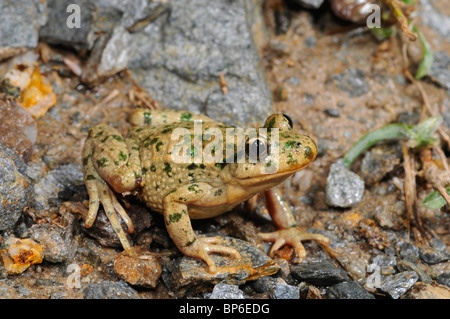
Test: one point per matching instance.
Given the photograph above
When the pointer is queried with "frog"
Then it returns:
(144, 164)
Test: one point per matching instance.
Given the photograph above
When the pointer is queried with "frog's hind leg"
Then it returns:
(109, 161)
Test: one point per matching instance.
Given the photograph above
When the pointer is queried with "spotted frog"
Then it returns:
(146, 164)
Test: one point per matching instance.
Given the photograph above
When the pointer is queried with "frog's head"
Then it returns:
(280, 153)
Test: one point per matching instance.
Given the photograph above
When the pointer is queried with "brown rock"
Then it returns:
(421, 290)
(143, 271)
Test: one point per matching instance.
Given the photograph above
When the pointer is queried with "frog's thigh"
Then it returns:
(115, 159)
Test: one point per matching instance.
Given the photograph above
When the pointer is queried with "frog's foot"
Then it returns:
(203, 246)
(99, 192)
(294, 237)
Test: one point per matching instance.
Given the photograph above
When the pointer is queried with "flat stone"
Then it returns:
(344, 187)
(398, 284)
(348, 290)
(440, 69)
(191, 274)
(179, 56)
(322, 273)
(57, 244)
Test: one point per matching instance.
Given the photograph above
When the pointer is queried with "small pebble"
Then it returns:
(226, 291)
(333, 112)
(284, 291)
(344, 187)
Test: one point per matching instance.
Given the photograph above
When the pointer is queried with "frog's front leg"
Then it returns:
(110, 161)
(288, 231)
(178, 223)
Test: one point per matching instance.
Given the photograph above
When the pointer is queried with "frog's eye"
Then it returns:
(256, 148)
(288, 118)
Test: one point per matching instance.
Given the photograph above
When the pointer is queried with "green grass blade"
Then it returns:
(428, 56)
(396, 131)
(434, 200)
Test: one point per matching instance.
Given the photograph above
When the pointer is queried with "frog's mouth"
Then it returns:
(269, 180)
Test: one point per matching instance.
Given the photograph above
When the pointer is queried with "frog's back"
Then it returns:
(163, 171)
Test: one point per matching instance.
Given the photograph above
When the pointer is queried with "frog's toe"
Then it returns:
(293, 237)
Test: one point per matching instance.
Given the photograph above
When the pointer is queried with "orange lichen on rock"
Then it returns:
(38, 96)
(19, 254)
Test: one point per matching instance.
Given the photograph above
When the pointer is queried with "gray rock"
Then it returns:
(264, 284)
(322, 273)
(344, 187)
(110, 290)
(444, 279)
(109, 56)
(226, 291)
(15, 188)
(57, 244)
(348, 290)
(434, 18)
(20, 21)
(56, 30)
(48, 184)
(352, 81)
(433, 256)
(409, 252)
(440, 69)
(178, 58)
(311, 4)
(284, 291)
(398, 284)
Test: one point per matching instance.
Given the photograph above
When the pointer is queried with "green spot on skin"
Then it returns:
(189, 243)
(290, 144)
(153, 168)
(193, 188)
(168, 169)
(220, 165)
(158, 146)
(154, 140)
(147, 118)
(98, 134)
(103, 162)
(86, 159)
(175, 217)
(117, 138)
(135, 148)
(192, 166)
(186, 116)
(122, 156)
(308, 152)
(144, 170)
(291, 160)
(90, 178)
(104, 139)
(167, 130)
(218, 192)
